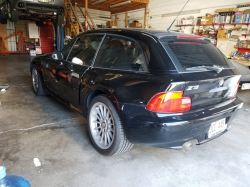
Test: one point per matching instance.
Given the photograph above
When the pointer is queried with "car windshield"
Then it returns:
(195, 53)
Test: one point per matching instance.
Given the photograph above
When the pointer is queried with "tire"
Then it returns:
(37, 82)
(109, 130)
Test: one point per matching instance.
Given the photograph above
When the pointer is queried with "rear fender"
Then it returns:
(85, 99)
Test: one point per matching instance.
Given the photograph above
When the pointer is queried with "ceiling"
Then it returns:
(133, 5)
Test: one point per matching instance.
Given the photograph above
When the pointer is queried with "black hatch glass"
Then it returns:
(195, 54)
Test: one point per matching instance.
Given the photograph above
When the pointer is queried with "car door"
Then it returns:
(70, 72)
(50, 67)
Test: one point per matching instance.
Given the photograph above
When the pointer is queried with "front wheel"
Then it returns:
(105, 127)
(37, 82)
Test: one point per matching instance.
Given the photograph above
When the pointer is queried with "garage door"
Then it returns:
(47, 37)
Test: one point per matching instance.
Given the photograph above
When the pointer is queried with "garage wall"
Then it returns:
(158, 7)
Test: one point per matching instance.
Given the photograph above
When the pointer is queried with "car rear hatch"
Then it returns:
(210, 77)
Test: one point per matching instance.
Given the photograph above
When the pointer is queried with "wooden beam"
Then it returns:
(128, 9)
(126, 19)
(86, 13)
(77, 25)
(145, 16)
(141, 1)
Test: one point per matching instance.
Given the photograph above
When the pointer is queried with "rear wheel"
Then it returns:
(37, 82)
(105, 127)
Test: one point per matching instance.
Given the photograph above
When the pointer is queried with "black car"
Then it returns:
(34, 10)
(154, 88)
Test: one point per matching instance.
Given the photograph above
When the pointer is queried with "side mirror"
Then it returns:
(77, 61)
(57, 55)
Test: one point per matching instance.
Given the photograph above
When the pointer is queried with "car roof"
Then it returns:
(156, 33)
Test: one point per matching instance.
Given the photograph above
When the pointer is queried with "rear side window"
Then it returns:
(192, 53)
(121, 53)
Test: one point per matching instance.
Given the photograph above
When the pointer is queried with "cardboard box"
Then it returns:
(207, 20)
(227, 10)
(138, 25)
(111, 23)
(222, 33)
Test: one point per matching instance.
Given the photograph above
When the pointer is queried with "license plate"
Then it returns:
(245, 86)
(217, 128)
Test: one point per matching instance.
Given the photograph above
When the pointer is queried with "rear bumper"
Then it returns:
(173, 130)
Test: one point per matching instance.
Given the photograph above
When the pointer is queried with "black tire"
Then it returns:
(120, 143)
(40, 90)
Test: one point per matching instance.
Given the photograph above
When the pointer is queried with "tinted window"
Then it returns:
(193, 53)
(121, 53)
(85, 48)
(66, 50)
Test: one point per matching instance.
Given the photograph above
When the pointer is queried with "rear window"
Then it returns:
(191, 53)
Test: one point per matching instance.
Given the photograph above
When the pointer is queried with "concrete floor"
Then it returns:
(41, 127)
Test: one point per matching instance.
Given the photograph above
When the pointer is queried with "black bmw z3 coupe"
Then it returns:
(148, 87)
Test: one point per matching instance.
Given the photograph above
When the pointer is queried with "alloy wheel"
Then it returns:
(102, 125)
(35, 79)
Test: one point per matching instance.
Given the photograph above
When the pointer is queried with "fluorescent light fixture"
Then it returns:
(98, 2)
(182, 13)
(120, 4)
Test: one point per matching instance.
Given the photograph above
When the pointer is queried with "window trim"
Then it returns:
(145, 58)
(83, 35)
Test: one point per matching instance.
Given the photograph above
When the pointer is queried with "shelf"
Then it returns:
(206, 34)
(242, 48)
(226, 24)
(184, 25)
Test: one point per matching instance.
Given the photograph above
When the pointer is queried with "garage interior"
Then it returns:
(42, 128)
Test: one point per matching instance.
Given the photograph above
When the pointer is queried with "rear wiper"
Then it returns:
(217, 69)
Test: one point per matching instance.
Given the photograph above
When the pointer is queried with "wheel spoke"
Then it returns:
(98, 127)
(97, 117)
(105, 139)
(111, 135)
(97, 121)
(107, 134)
(99, 133)
(101, 109)
(102, 138)
(99, 113)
